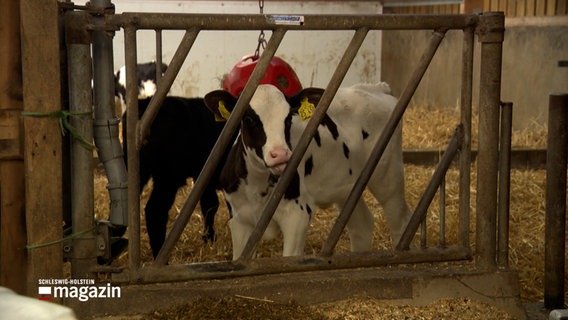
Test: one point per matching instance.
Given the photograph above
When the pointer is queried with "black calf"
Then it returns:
(181, 138)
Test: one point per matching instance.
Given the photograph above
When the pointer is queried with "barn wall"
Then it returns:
(531, 51)
(511, 8)
(314, 55)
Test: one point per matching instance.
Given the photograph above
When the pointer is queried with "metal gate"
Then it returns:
(96, 25)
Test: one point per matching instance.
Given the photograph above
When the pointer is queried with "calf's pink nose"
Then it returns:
(278, 155)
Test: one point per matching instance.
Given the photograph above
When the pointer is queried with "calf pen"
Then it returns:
(487, 278)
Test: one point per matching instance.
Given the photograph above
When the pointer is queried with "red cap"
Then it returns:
(278, 73)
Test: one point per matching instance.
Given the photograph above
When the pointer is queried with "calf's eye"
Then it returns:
(249, 121)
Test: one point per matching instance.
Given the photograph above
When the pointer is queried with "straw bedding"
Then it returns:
(423, 128)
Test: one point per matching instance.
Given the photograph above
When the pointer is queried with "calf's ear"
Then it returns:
(311, 95)
(221, 103)
(305, 102)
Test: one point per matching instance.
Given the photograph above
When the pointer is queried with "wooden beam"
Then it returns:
(521, 8)
(13, 254)
(551, 7)
(43, 141)
(531, 8)
(13, 264)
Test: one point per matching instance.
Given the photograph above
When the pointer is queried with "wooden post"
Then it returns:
(13, 258)
(43, 140)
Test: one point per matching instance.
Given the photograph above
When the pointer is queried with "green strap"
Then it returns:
(64, 124)
(69, 237)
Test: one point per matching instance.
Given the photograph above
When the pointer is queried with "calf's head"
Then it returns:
(265, 126)
(146, 79)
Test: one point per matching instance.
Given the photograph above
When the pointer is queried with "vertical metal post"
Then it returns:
(84, 250)
(158, 56)
(133, 159)
(555, 221)
(465, 152)
(491, 31)
(504, 185)
(442, 239)
(424, 231)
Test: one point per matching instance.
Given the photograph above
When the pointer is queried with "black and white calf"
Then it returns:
(181, 138)
(270, 129)
(146, 79)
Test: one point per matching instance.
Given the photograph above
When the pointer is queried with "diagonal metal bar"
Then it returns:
(219, 148)
(435, 181)
(166, 83)
(381, 145)
(300, 149)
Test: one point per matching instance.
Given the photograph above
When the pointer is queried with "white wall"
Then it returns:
(313, 54)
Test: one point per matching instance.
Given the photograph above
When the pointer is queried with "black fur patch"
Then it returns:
(365, 134)
(317, 138)
(293, 191)
(308, 166)
(234, 170)
(346, 150)
(331, 126)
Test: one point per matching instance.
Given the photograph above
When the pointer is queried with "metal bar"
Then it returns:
(504, 184)
(381, 145)
(465, 153)
(303, 22)
(555, 227)
(423, 232)
(263, 266)
(442, 241)
(84, 251)
(490, 33)
(133, 154)
(167, 81)
(222, 143)
(435, 181)
(302, 146)
(158, 57)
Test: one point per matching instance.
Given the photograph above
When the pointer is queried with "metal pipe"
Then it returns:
(504, 185)
(220, 146)
(158, 57)
(166, 83)
(465, 153)
(423, 232)
(84, 246)
(490, 33)
(381, 144)
(303, 143)
(422, 206)
(106, 123)
(555, 227)
(226, 269)
(133, 152)
(303, 22)
(442, 241)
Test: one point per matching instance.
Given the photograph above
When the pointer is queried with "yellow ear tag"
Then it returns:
(306, 110)
(225, 114)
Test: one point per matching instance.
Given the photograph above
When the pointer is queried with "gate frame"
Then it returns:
(489, 27)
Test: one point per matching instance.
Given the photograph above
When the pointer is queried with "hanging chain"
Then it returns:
(261, 36)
